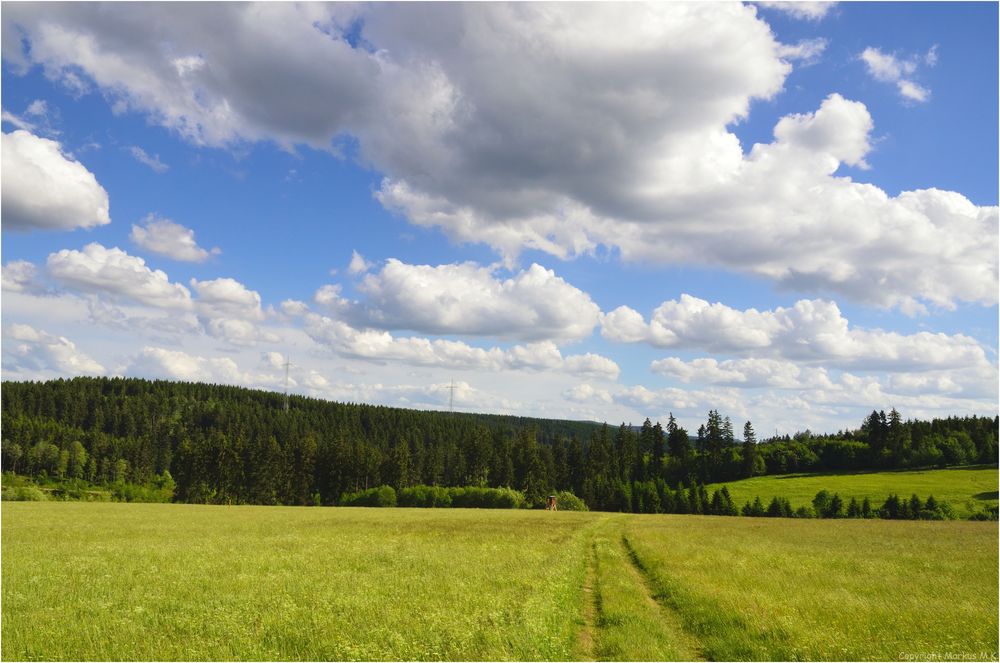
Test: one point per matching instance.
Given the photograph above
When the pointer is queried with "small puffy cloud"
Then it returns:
(913, 91)
(153, 162)
(586, 393)
(806, 51)
(230, 311)
(27, 350)
(840, 129)
(888, 68)
(237, 331)
(37, 108)
(358, 264)
(381, 346)
(591, 364)
(811, 331)
(533, 304)
(118, 275)
(170, 239)
(273, 360)
(329, 297)
(43, 188)
(885, 67)
(294, 307)
(806, 10)
(20, 276)
(226, 296)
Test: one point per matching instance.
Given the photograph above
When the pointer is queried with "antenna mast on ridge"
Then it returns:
(288, 365)
(451, 397)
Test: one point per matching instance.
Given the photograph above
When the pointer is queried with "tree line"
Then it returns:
(222, 444)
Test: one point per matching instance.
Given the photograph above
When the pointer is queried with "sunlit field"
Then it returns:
(148, 582)
(93, 581)
(776, 589)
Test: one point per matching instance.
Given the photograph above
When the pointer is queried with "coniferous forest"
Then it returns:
(220, 444)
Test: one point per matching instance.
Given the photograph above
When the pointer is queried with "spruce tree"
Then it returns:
(854, 509)
(836, 509)
(774, 508)
(916, 506)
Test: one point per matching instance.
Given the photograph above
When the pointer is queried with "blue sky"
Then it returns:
(786, 212)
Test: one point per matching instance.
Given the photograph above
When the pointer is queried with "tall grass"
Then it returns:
(762, 589)
(108, 581)
(167, 582)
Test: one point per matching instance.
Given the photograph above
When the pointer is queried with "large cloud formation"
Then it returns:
(534, 304)
(811, 331)
(535, 126)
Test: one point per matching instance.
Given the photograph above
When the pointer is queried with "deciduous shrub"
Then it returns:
(567, 501)
(381, 496)
(424, 497)
(24, 494)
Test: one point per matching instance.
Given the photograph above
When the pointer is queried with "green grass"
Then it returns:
(86, 581)
(631, 625)
(152, 582)
(779, 589)
(967, 489)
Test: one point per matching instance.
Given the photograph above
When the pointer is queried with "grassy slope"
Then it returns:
(160, 582)
(967, 489)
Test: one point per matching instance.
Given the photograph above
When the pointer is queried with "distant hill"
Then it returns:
(222, 444)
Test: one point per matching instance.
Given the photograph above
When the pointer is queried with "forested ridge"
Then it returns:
(222, 444)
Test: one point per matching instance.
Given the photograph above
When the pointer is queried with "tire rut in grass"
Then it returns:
(585, 639)
(684, 640)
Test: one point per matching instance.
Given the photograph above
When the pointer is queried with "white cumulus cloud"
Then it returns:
(533, 126)
(116, 274)
(230, 311)
(20, 276)
(170, 239)
(43, 188)
(28, 350)
(358, 264)
(381, 346)
(533, 304)
(154, 362)
(811, 331)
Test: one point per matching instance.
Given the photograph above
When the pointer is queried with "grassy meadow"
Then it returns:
(967, 489)
(150, 582)
(774, 589)
(87, 581)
